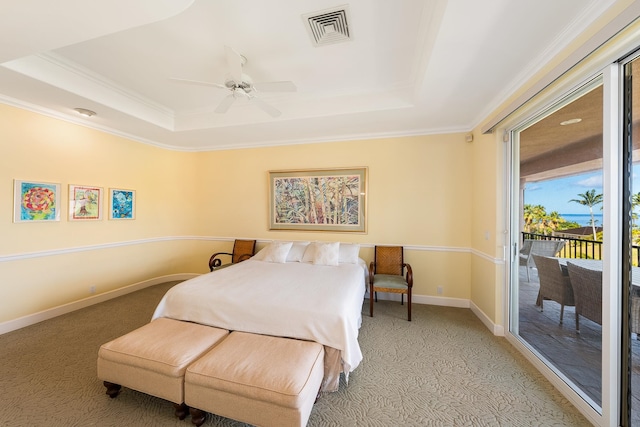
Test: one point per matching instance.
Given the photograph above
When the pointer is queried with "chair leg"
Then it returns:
(561, 312)
(401, 299)
(409, 305)
(577, 323)
(371, 293)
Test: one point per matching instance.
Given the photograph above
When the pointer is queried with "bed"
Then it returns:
(297, 290)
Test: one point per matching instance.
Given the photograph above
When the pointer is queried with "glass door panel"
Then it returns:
(560, 215)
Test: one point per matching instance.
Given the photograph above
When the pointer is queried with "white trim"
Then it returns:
(611, 249)
(75, 249)
(31, 319)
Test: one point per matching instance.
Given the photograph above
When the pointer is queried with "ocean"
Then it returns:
(584, 219)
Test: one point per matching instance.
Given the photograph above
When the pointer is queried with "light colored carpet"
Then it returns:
(442, 369)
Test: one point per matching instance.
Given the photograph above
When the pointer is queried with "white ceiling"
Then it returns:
(411, 66)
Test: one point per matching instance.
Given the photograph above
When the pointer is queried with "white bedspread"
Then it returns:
(296, 300)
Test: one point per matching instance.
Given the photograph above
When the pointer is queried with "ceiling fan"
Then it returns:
(240, 85)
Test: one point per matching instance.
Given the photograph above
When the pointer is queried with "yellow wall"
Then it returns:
(191, 204)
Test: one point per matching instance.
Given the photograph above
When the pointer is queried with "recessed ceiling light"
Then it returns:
(84, 112)
(570, 122)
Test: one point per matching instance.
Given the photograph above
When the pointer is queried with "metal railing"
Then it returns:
(580, 248)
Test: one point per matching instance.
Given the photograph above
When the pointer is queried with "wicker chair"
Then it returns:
(587, 290)
(242, 250)
(554, 285)
(386, 274)
(538, 247)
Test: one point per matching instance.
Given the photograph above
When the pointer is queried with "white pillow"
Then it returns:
(277, 252)
(297, 251)
(349, 253)
(273, 252)
(326, 253)
(309, 252)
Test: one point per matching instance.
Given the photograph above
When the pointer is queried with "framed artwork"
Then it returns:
(318, 200)
(35, 201)
(122, 204)
(85, 203)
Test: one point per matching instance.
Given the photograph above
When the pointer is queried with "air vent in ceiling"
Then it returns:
(328, 26)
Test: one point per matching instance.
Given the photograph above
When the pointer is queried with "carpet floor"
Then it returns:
(442, 369)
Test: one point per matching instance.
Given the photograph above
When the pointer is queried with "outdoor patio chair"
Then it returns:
(554, 285)
(242, 250)
(587, 290)
(532, 247)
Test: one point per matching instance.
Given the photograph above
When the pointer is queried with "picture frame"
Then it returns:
(85, 203)
(36, 201)
(318, 200)
(122, 204)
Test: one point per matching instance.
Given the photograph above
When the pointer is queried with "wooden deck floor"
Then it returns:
(576, 356)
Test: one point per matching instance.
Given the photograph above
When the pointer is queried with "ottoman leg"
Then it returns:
(197, 416)
(181, 410)
(112, 389)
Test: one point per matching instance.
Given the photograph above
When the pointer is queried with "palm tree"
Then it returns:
(533, 216)
(590, 199)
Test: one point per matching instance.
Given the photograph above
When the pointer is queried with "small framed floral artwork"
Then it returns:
(35, 201)
(122, 204)
(85, 203)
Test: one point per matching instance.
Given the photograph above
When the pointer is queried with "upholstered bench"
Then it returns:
(256, 379)
(153, 359)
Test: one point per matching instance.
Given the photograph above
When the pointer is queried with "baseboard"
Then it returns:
(32, 319)
(495, 329)
(448, 302)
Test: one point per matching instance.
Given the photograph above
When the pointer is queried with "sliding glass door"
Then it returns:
(558, 157)
(575, 220)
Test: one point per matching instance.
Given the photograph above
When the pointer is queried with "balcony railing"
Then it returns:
(581, 248)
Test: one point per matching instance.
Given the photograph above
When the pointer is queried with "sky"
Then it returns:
(555, 194)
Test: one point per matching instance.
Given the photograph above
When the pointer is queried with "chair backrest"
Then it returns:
(553, 283)
(526, 246)
(546, 247)
(587, 288)
(243, 249)
(389, 260)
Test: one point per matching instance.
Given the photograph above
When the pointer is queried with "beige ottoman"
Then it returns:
(153, 359)
(256, 379)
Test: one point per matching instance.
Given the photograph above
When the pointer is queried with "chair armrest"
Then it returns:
(409, 276)
(372, 271)
(215, 262)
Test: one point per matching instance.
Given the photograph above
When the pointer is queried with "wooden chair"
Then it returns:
(554, 285)
(242, 250)
(538, 247)
(386, 274)
(587, 289)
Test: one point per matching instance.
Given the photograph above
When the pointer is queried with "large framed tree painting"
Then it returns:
(318, 200)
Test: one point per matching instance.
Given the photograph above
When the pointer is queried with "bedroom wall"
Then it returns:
(192, 204)
(47, 264)
(419, 196)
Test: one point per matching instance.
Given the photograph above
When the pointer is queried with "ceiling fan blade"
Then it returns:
(267, 108)
(198, 82)
(234, 61)
(284, 86)
(225, 103)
